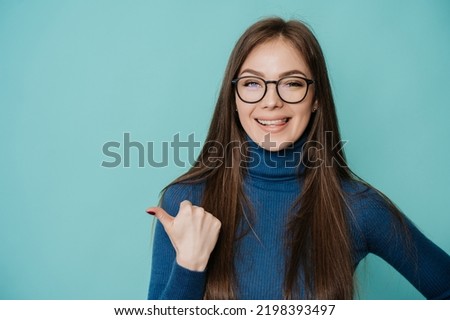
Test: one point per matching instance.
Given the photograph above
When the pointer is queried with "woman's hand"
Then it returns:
(193, 233)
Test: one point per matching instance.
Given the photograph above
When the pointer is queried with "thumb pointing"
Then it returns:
(161, 214)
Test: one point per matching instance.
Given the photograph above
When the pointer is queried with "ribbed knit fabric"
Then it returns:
(272, 185)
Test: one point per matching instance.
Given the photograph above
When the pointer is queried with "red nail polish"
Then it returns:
(150, 212)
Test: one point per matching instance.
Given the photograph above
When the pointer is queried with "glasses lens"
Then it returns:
(251, 89)
(292, 89)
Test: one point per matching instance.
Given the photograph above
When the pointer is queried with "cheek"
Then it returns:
(244, 113)
(301, 121)
(305, 114)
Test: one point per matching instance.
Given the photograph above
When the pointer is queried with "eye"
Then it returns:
(293, 83)
(251, 83)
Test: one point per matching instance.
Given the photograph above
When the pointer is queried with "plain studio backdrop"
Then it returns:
(78, 75)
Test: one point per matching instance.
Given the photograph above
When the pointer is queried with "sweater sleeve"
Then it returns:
(168, 280)
(418, 259)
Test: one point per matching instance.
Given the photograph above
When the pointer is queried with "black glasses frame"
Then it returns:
(275, 82)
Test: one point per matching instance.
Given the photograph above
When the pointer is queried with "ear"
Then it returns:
(315, 106)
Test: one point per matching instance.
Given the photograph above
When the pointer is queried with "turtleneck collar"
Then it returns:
(282, 165)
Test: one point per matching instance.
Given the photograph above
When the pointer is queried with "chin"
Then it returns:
(271, 142)
(276, 146)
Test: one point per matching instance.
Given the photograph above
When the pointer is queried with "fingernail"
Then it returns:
(150, 212)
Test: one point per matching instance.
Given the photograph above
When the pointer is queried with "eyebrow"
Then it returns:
(284, 74)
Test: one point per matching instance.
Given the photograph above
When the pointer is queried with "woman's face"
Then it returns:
(272, 123)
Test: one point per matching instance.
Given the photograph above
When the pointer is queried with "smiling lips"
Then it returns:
(273, 125)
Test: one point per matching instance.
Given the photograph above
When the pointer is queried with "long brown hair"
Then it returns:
(318, 241)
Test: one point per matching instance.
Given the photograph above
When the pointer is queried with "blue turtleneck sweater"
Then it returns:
(272, 186)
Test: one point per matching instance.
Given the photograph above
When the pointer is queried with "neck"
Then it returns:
(281, 165)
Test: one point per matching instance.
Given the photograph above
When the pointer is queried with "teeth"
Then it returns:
(272, 122)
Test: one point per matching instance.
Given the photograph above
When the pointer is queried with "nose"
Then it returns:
(272, 99)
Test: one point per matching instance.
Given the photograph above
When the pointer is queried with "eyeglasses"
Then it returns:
(292, 89)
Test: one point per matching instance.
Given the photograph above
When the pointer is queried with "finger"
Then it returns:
(185, 204)
(161, 214)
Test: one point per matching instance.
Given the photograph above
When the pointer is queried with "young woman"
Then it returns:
(270, 210)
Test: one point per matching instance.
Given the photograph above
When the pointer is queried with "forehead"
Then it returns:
(274, 57)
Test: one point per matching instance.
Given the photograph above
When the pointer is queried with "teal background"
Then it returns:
(77, 74)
